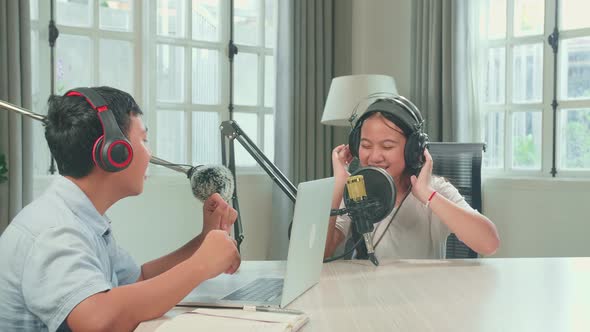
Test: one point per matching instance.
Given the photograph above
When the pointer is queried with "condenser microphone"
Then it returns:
(357, 192)
(369, 197)
(205, 180)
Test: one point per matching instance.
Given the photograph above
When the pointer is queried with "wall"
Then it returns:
(539, 217)
(166, 215)
(381, 40)
(535, 217)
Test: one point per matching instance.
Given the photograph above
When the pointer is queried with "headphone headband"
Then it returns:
(95, 100)
(409, 117)
(112, 151)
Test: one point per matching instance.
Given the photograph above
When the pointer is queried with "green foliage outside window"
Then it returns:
(577, 154)
(578, 146)
(524, 151)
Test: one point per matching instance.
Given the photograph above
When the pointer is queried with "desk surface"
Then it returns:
(515, 294)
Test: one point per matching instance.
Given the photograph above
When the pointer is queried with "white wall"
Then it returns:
(535, 217)
(166, 215)
(539, 217)
(381, 40)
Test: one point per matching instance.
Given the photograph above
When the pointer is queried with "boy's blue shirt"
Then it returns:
(55, 253)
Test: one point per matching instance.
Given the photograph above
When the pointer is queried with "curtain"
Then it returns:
(304, 72)
(16, 134)
(445, 68)
(313, 72)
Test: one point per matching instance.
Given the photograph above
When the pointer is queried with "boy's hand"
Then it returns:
(217, 254)
(218, 215)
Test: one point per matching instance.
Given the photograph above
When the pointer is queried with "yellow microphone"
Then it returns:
(357, 192)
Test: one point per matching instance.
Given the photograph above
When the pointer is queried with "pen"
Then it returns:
(271, 309)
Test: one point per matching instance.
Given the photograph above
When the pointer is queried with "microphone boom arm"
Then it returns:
(231, 131)
(175, 167)
(20, 110)
(11, 107)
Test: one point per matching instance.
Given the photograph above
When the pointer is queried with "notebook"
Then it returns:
(301, 270)
(203, 319)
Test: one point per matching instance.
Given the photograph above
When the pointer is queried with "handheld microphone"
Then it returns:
(369, 197)
(205, 180)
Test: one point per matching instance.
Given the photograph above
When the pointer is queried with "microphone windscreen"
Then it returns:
(207, 180)
(380, 188)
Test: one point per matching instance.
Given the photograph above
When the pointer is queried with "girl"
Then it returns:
(389, 135)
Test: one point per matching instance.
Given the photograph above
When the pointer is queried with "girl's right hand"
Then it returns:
(341, 158)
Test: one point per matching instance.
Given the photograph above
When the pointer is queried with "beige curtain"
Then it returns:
(313, 72)
(445, 68)
(16, 134)
(304, 72)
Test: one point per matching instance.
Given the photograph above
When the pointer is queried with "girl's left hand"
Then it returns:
(421, 187)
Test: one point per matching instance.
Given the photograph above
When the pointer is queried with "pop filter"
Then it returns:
(381, 193)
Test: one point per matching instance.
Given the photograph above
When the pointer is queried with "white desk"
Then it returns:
(519, 294)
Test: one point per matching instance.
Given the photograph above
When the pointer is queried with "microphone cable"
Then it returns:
(331, 259)
(392, 217)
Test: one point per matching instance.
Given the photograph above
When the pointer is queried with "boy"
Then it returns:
(60, 267)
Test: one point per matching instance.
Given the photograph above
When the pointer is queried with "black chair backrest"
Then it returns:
(460, 164)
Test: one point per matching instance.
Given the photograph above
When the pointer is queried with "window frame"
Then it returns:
(144, 39)
(509, 107)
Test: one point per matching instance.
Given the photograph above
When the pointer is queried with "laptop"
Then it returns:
(277, 283)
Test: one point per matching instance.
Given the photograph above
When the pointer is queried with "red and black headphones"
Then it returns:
(112, 151)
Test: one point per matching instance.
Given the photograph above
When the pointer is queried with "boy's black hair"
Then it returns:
(72, 127)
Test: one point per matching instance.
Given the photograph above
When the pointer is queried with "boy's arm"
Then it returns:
(217, 214)
(123, 308)
(160, 265)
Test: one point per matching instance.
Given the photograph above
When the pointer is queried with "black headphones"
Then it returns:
(111, 151)
(390, 106)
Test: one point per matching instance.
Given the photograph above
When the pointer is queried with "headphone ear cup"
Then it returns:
(412, 153)
(120, 153)
(354, 139)
(97, 152)
(414, 150)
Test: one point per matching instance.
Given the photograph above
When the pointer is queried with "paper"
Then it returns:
(233, 320)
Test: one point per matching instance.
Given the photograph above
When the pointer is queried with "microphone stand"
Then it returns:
(175, 167)
(231, 131)
(20, 110)
(23, 111)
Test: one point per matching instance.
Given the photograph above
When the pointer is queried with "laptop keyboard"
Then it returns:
(259, 290)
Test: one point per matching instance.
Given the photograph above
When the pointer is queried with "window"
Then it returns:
(171, 55)
(519, 83)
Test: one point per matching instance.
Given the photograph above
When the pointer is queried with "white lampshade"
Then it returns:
(346, 92)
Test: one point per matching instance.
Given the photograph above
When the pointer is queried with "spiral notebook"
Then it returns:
(204, 319)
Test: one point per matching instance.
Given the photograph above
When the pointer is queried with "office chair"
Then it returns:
(460, 164)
